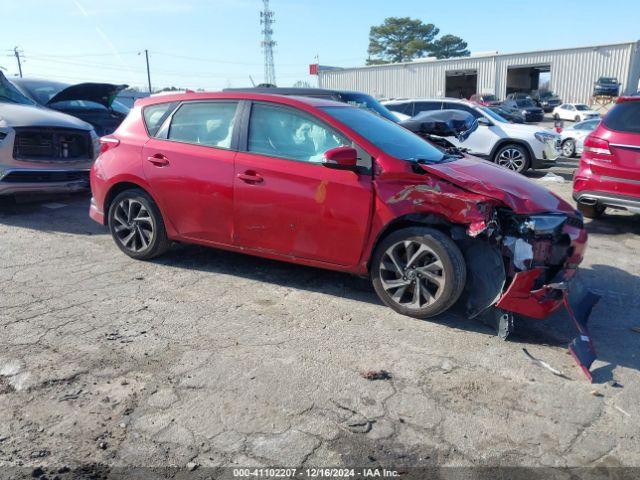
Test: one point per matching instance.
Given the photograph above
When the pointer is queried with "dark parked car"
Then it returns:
(484, 99)
(607, 86)
(514, 117)
(357, 99)
(545, 99)
(525, 107)
(92, 102)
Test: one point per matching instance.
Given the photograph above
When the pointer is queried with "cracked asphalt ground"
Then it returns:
(214, 358)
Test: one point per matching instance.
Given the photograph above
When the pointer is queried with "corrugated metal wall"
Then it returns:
(573, 72)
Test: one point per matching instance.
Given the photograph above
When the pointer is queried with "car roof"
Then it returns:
(239, 95)
(445, 99)
(292, 91)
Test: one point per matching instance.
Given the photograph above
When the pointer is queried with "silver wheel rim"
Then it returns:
(567, 148)
(132, 225)
(511, 158)
(412, 274)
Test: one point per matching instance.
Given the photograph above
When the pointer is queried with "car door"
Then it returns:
(189, 166)
(286, 201)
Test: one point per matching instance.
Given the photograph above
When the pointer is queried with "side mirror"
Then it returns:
(341, 158)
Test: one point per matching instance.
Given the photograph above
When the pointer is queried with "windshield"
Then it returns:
(582, 107)
(362, 100)
(9, 93)
(525, 103)
(494, 114)
(489, 98)
(386, 135)
(608, 80)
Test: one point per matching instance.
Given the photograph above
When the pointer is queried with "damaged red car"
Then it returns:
(330, 185)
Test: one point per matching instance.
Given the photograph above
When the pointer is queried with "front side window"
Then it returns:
(284, 132)
(204, 123)
(388, 136)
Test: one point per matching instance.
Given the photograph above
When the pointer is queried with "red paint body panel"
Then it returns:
(613, 169)
(301, 209)
(307, 213)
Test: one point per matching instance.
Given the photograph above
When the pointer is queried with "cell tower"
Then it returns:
(266, 19)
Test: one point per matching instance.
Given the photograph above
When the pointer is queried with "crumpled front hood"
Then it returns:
(14, 115)
(102, 93)
(512, 189)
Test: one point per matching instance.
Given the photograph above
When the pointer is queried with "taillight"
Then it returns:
(107, 143)
(595, 148)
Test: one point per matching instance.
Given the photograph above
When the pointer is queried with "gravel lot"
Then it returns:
(210, 358)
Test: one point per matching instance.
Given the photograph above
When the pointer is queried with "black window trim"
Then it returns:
(165, 115)
(163, 131)
(243, 144)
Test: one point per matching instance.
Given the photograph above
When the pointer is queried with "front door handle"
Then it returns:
(159, 160)
(250, 177)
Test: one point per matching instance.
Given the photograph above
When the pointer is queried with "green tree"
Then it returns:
(400, 39)
(450, 46)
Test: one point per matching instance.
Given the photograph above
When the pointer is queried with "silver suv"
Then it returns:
(42, 150)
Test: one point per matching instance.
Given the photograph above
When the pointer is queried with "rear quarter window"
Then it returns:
(624, 117)
(155, 115)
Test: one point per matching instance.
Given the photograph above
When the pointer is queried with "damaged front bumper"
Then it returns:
(541, 255)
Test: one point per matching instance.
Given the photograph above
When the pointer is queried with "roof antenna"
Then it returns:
(252, 82)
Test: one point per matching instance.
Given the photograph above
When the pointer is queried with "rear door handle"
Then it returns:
(250, 177)
(159, 160)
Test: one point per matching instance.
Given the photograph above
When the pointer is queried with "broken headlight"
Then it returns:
(542, 224)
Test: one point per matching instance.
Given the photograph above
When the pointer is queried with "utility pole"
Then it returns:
(266, 19)
(146, 55)
(17, 54)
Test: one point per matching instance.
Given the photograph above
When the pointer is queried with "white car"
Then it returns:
(514, 146)
(577, 112)
(573, 137)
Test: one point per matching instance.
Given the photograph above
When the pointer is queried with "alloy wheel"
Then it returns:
(568, 148)
(511, 158)
(133, 225)
(412, 274)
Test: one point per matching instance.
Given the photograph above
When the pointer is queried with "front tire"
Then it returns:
(514, 157)
(577, 118)
(418, 271)
(136, 225)
(569, 148)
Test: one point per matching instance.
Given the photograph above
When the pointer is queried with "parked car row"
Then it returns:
(517, 147)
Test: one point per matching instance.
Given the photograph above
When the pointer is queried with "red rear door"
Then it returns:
(191, 170)
(287, 202)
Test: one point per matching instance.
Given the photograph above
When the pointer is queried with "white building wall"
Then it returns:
(573, 72)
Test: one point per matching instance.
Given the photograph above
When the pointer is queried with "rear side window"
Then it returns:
(400, 107)
(624, 117)
(204, 123)
(155, 115)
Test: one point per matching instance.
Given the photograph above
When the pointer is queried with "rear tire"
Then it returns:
(418, 271)
(591, 211)
(556, 116)
(577, 118)
(136, 225)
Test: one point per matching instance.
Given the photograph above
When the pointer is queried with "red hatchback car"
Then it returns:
(330, 185)
(609, 173)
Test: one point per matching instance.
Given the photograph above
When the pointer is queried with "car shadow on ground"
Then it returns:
(610, 322)
(614, 222)
(50, 213)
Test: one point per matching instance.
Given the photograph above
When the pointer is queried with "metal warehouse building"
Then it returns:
(570, 72)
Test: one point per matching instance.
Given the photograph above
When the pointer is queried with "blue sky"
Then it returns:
(213, 44)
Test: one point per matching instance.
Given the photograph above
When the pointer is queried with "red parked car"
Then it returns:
(330, 185)
(609, 172)
(485, 99)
